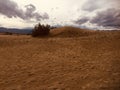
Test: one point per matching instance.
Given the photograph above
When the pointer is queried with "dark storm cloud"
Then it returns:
(107, 18)
(11, 9)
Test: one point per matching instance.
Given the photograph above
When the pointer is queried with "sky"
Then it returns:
(91, 14)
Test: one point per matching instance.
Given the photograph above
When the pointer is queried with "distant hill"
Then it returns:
(15, 30)
(69, 31)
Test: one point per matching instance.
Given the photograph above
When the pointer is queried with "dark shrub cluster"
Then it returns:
(8, 33)
(40, 30)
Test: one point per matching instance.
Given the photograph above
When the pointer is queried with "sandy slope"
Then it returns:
(61, 62)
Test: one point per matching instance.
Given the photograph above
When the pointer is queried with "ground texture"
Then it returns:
(61, 62)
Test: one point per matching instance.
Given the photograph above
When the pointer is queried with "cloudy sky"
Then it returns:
(92, 14)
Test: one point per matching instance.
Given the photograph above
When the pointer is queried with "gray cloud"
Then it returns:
(107, 13)
(92, 5)
(11, 9)
(107, 18)
(30, 13)
(81, 21)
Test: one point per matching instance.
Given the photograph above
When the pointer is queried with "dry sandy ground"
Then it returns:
(90, 61)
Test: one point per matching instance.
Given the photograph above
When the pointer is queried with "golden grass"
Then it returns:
(71, 32)
(62, 62)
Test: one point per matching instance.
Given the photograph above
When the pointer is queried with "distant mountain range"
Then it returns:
(15, 30)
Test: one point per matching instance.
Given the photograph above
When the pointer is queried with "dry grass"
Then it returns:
(63, 62)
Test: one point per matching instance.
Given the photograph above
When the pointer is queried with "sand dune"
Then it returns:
(70, 59)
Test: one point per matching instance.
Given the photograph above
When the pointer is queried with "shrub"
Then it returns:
(40, 30)
(8, 33)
